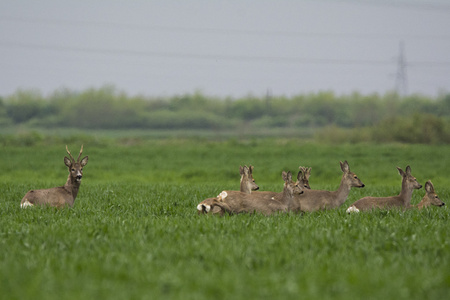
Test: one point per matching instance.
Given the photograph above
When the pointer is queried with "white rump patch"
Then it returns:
(201, 206)
(352, 209)
(222, 196)
(25, 204)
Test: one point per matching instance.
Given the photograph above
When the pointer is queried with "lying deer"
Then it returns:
(302, 181)
(247, 186)
(313, 200)
(63, 195)
(303, 177)
(253, 203)
(430, 198)
(403, 200)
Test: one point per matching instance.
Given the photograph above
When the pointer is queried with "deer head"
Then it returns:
(350, 178)
(409, 181)
(75, 167)
(430, 198)
(303, 177)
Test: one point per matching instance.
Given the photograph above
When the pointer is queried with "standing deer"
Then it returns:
(63, 195)
(403, 200)
(313, 200)
(430, 198)
(253, 203)
(247, 186)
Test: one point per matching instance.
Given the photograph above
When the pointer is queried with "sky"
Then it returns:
(226, 48)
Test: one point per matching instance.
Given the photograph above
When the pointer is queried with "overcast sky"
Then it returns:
(225, 48)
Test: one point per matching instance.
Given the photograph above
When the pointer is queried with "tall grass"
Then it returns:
(134, 232)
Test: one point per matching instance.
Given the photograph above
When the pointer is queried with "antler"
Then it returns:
(81, 151)
(71, 157)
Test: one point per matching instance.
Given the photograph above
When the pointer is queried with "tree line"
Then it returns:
(354, 117)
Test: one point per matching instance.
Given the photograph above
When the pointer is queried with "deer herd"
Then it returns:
(297, 196)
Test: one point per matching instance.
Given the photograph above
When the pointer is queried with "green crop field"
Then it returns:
(134, 232)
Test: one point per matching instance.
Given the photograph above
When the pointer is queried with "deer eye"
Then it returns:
(73, 170)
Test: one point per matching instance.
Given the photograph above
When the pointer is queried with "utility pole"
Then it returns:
(401, 81)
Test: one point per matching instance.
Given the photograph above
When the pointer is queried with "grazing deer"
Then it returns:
(313, 200)
(63, 195)
(430, 198)
(247, 186)
(403, 200)
(253, 203)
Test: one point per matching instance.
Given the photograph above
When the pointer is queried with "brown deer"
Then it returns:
(253, 203)
(248, 185)
(430, 198)
(63, 195)
(313, 200)
(302, 181)
(303, 177)
(403, 200)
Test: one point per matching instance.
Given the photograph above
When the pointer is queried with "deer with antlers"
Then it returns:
(63, 195)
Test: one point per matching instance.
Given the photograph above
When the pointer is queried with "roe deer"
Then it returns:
(430, 198)
(303, 177)
(63, 195)
(252, 203)
(247, 186)
(403, 200)
(302, 181)
(313, 200)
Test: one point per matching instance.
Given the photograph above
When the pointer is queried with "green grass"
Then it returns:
(134, 232)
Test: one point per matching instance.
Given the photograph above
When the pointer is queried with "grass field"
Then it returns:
(134, 233)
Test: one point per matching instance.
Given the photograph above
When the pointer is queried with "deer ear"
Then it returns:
(246, 170)
(408, 170)
(400, 171)
(344, 166)
(429, 187)
(67, 161)
(299, 175)
(250, 169)
(241, 170)
(84, 161)
(284, 175)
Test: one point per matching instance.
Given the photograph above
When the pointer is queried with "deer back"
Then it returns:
(403, 200)
(313, 200)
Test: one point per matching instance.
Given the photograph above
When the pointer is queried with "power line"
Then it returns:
(227, 31)
(218, 57)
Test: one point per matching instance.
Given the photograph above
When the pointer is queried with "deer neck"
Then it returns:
(287, 197)
(406, 192)
(244, 186)
(343, 191)
(421, 204)
(72, 186)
